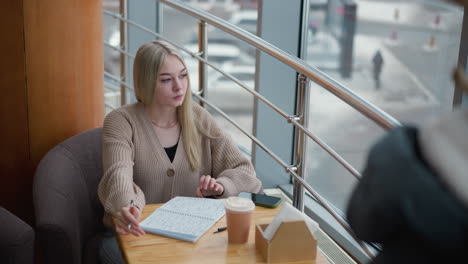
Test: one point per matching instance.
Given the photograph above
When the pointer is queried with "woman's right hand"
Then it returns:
(126, 221)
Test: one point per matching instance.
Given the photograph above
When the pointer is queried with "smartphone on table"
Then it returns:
(262, 199)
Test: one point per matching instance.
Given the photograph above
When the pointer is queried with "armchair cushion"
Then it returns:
(68, 211)
(16, 239)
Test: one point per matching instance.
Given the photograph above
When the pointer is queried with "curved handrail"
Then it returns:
(367, 109)
(347, 96)
(107, 44)
(289, 169)
(289, 118)
(117, 79)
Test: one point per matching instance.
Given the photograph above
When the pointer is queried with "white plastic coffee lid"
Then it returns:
(239, 204)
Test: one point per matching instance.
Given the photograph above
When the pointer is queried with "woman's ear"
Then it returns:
(460, 79)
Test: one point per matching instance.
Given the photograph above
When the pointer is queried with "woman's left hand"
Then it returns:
(209, 187)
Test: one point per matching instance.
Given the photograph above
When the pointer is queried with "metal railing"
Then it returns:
(306, 72)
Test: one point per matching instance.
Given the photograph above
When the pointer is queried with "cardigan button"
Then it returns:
(170, 172)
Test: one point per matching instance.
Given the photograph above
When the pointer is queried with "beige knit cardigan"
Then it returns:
(136, 166)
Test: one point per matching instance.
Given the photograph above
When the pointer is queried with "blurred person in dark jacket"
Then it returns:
(413, 195)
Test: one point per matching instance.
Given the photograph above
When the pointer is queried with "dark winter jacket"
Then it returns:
(403, 204)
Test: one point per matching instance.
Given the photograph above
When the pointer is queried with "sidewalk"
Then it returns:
(350, 133)
(407, 14)
(399, 86)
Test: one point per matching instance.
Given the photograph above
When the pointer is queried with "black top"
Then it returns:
(170, 151)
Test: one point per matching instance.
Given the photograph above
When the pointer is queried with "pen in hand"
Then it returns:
(131, 205)
(220, 229)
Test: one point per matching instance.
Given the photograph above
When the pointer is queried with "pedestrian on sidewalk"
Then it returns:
(313, 29)
(377, 62)
(313, 26)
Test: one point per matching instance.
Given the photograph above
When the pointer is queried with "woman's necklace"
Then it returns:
(171, 124)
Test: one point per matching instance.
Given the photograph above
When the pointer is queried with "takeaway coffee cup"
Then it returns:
(239, 217)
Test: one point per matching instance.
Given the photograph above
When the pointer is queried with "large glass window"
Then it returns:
(111, 38)
(226, 52)
(398, 55)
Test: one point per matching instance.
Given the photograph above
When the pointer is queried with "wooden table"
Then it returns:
(210, 248)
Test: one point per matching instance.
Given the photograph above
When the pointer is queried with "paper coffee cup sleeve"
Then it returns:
(289, 213)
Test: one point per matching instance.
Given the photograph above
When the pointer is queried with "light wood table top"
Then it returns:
(210, 248)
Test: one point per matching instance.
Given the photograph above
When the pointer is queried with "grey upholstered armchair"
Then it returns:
(16, 239)
(68, 211)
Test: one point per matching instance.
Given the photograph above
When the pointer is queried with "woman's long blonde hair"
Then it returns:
(149, 59)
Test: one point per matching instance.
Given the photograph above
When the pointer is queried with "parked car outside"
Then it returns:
(200, 4)
(245, 19)
(217, 52)
(228, 6)
(228, 95)
(318, 4)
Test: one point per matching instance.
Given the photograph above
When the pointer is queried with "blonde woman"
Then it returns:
(164, 146)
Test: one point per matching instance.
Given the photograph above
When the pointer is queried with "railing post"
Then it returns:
(302, 109)
(202, 49)
(123, 46)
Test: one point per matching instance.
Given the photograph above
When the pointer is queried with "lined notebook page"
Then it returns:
(184, 218)
(202, 207)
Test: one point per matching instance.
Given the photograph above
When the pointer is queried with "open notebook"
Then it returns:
(184, 218)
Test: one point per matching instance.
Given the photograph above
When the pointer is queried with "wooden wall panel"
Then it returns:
(64, 65)
(51, 79)
(15, 172)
